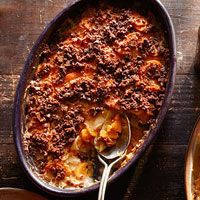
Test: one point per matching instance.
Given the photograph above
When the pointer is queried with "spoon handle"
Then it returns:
(102, 178)
(103, 183)
(105, 176)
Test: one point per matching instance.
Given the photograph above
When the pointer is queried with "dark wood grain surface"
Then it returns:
(159, 175)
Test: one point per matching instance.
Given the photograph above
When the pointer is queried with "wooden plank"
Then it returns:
(6, 118)
(8, 85)
(6, 137)
(183, 112)
(185, 16)
(9, 162)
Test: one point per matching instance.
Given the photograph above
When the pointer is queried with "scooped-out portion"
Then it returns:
(109, 61)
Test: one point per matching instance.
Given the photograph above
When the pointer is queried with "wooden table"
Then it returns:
(162, 176)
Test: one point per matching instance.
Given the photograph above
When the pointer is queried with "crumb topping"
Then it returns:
(112, 60)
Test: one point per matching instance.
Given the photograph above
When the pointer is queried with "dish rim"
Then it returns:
(153, 133)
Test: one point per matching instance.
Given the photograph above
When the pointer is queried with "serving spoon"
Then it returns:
(111, 156)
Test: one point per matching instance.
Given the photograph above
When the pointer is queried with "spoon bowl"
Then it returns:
(122, 143)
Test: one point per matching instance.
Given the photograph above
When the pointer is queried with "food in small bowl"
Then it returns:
(110, 60)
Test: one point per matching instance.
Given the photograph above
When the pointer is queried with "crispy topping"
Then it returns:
(111, 60)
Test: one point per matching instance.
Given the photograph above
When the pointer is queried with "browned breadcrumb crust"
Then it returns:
(113, 59)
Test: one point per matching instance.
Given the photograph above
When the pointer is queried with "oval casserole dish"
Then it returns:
(71, 10)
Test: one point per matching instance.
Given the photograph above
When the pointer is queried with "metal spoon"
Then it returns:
(113, 155)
